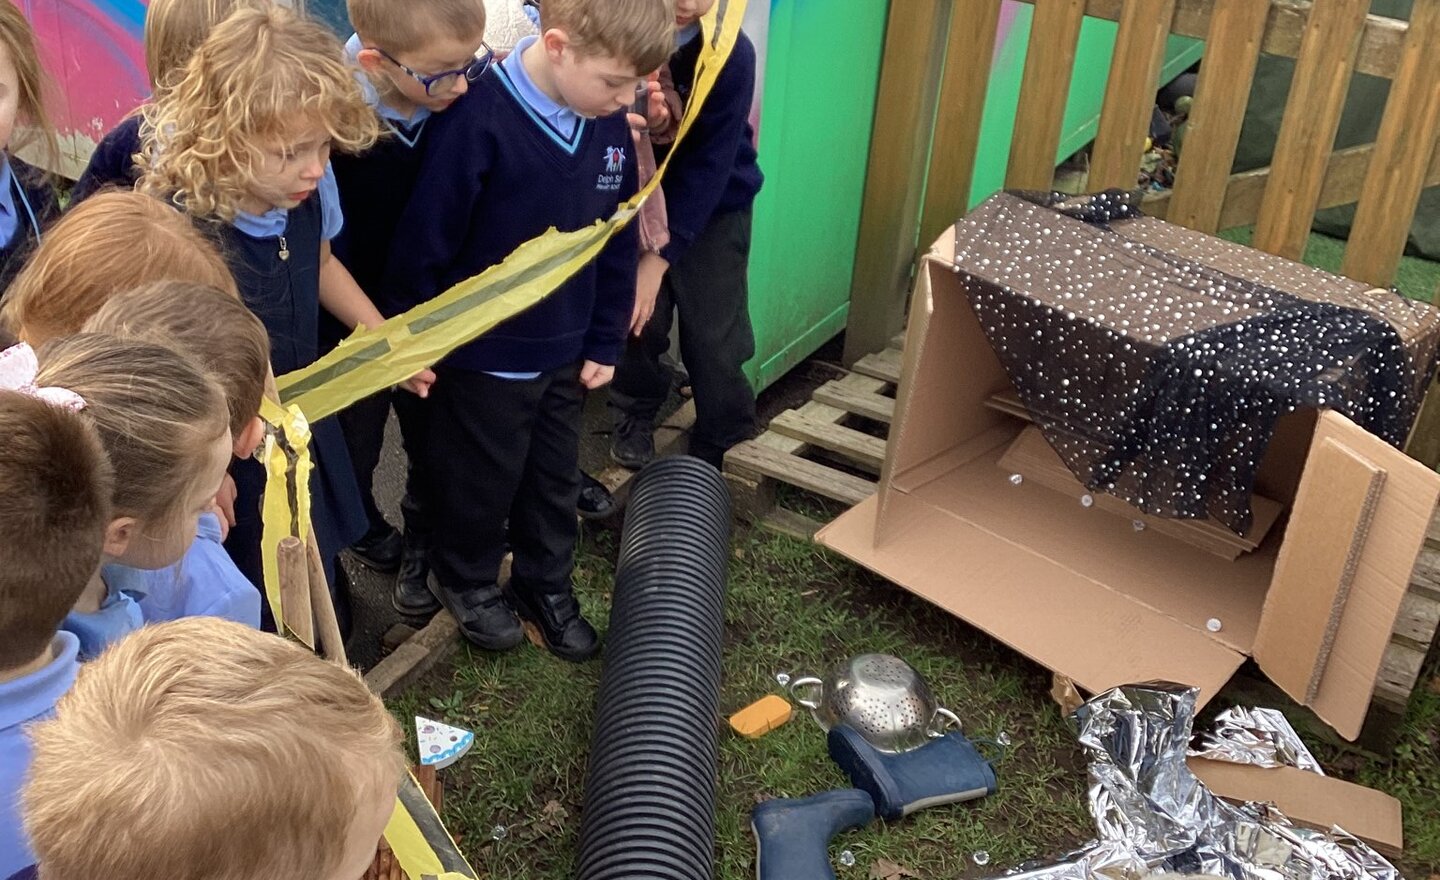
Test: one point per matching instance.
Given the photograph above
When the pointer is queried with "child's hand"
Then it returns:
(593, 375)
(658, 113)
(647, 289)
(419, 384)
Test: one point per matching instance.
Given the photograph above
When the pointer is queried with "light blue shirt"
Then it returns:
(272, 223)
(687, 33)
(205, 584)
(23, 701)
(9, 217)
(556, 115)
(118, 616)
(372, 97)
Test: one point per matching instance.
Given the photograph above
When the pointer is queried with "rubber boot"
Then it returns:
(946, 770)
(792, 836)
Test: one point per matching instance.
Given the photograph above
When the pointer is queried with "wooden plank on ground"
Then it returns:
(1403, 150)
(963, 84)
(1221, 95)
(1130, 93)
(750, 459)
(1307, 132)
(1049, 65)
(1344, 176)
(1379, 47)
(791, 524)
(861, 403)
(885, 365)
(895, 177)
(856, 446)
(417, 656)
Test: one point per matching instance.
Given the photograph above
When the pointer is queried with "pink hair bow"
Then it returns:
(18, 367)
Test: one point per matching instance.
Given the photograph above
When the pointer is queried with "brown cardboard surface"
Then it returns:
(1032, 456)
(1079, 589)
(1382, 577)
(1317, 567)
(1101, 638)
(1310, 799)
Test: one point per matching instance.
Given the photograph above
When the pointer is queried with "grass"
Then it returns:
(795, 609)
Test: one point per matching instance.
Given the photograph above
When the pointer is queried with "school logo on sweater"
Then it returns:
(614, 172)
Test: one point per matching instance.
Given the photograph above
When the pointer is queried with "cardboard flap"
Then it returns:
(1310, 799)
(1321, 642)
(1097, 636)
(1317, 568)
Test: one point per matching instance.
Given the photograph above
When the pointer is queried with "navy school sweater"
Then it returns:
(494, 176)
(34, 185)
(112, 163)
(375, 187)
(714, 170)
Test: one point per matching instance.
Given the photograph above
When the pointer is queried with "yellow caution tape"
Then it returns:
(413, 833)
(371, 360)
(286, 510)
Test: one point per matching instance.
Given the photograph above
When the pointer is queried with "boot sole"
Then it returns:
(630, 464)
(373, 564)
(427, 611)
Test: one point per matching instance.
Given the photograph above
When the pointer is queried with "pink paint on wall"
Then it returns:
(94, 53)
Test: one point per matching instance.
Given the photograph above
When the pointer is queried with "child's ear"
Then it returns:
(249, 439)
(118, 535)
(555, 42)
(370, 60)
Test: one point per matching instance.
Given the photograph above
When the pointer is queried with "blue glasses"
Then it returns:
(444, 82)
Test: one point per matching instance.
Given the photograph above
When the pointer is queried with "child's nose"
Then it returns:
(315, 170)
(462, 85)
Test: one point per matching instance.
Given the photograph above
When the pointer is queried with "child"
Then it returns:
(164, 427)
(52, 524)
(242, 140)
(216, 330)
(200, 748)
(710, 190)
(113, 242)
(173, 29)
(540, 141)
(27, 200)
(416, 59)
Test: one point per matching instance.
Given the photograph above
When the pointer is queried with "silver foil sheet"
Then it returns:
(1262, 737)
(1153, 817)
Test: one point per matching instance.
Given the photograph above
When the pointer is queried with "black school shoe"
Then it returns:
(568, 635)
(595, 502)
(379, 550)
(484, 617)
(411, 595)
(632, 444)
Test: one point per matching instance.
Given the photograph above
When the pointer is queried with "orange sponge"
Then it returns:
(761, 717)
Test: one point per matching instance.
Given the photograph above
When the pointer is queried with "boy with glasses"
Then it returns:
(416, 59)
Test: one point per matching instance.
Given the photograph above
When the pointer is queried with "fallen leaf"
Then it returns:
(884, 869)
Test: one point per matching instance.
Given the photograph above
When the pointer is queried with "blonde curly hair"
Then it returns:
(260, 75)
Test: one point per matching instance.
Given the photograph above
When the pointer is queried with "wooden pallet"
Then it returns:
(803, 446)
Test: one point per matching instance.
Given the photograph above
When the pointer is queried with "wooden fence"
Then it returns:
(932, 92)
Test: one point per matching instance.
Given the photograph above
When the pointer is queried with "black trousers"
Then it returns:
(709, 288)
(504, 451)
(364, 427)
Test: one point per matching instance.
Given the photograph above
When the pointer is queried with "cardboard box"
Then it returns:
(1312, 800)
(1080, 589)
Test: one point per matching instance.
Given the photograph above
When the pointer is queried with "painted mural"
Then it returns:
(94, 51)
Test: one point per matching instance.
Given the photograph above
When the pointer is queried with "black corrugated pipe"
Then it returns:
(650, 789)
